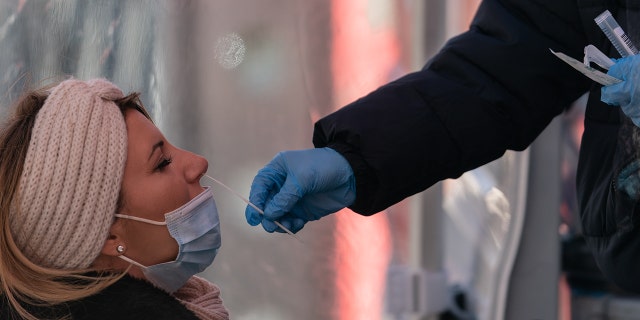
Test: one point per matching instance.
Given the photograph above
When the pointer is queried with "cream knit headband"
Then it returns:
(72, 173)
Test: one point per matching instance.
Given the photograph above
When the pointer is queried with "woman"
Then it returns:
(102, 217)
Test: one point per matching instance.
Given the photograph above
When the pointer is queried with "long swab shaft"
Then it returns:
(252, 205)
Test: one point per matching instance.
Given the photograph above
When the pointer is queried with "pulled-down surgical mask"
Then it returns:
(196, 228)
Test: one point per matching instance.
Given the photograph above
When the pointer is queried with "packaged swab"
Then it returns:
(592, 54)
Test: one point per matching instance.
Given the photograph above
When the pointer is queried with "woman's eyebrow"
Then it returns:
(155, 146)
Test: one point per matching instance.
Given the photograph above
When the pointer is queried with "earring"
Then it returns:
(120, 249)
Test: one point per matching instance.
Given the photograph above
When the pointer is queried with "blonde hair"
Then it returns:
(22, 281)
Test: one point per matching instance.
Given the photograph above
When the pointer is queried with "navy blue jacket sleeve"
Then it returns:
(491, 89)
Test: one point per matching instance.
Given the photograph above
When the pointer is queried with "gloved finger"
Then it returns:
(266, 183)
(314, 207)
(621, 68)
(269, 226)
(286, 222)
(292, 224)
(296, 225)
(282, 201)
(305, 209)
(616, 94)
(257, 197)
(252, 215)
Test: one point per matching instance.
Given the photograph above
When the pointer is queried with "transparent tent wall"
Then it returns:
(303, 59)
(237, 81)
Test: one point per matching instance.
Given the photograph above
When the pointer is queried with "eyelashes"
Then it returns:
(164, 162)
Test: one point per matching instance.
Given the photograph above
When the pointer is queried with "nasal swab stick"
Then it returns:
(252, 205)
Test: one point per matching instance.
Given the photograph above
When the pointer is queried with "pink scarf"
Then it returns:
(202, 298)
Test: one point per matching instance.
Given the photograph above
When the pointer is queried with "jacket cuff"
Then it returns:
(366, 181)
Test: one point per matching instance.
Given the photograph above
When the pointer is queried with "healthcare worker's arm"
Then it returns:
(491, 89)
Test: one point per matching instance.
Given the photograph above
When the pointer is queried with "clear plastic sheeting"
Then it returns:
(44, 41)
(239, 80)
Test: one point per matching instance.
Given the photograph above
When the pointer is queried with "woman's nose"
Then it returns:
(195, 167)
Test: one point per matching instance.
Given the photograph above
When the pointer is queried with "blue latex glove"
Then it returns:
(300, 186)
(625, 94)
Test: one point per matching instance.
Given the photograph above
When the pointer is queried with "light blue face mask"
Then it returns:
(196, 228)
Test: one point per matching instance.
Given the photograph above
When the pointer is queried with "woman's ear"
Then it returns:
(115, 244)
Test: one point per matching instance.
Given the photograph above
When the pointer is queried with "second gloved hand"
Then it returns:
(625, 94)
(300, 186)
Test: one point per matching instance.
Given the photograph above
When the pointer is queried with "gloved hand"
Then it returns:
(625, 94)
(300, 186)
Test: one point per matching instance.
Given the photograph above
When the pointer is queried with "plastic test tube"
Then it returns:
(616, 35)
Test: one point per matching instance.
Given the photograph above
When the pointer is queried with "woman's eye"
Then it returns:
(165, 161)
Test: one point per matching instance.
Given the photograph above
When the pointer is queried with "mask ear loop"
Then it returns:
(253, 206)
(153, 222)
(131, 261)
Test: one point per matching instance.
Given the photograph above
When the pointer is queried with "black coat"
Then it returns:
(495, 88)
(128, 298)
